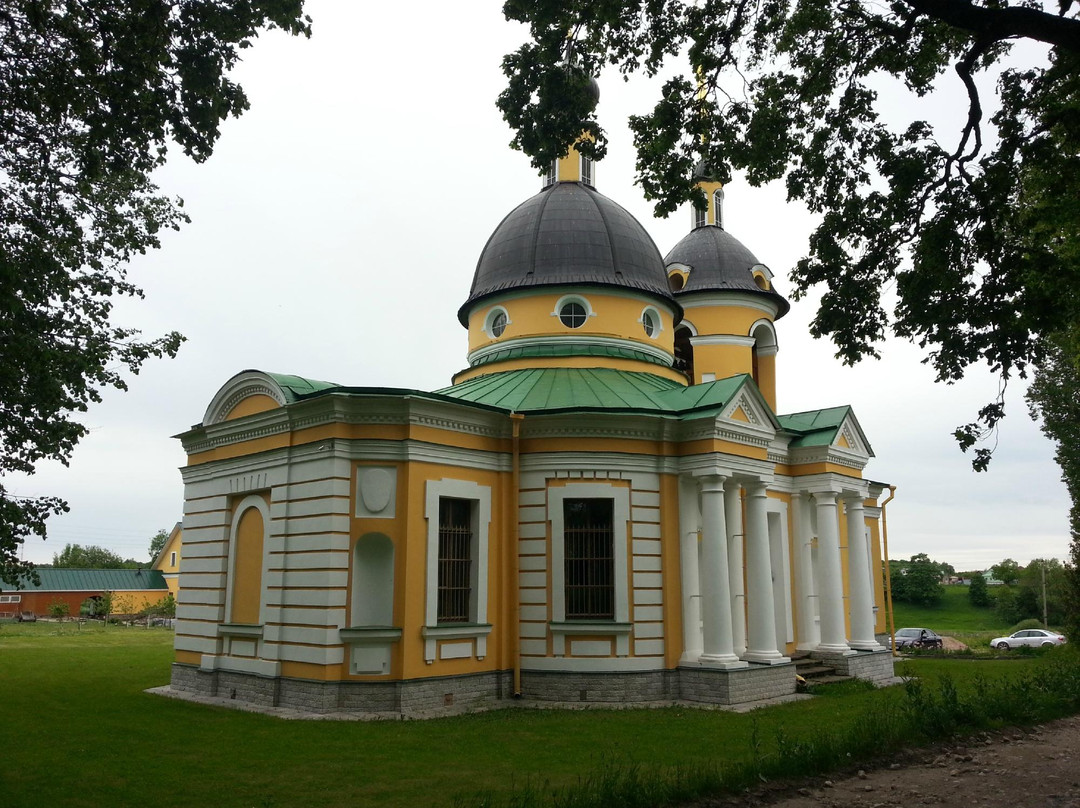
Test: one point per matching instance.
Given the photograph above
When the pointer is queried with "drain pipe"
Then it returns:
(888, 572)
(515, 496)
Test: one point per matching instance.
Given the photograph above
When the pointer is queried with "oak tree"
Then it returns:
(93, 95)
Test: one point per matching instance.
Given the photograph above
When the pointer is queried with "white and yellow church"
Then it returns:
(604, 506)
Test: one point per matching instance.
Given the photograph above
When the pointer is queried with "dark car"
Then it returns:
(918, 638)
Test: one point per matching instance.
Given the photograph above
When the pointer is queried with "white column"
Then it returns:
(805, 594)
(716, 597)
(733, 510)
(761, 642)
(689, 521)
(860, 591)
(831, 583)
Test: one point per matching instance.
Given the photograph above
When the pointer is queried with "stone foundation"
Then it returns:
(448, 695)
(739, 686)
(874, 666)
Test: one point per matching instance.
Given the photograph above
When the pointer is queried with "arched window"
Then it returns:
(718, 207)
(684, 352)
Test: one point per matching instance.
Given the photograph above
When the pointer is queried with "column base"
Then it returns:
(766, 657)
(866, 645)
(724, 662)
(690, 658)
(835, 650)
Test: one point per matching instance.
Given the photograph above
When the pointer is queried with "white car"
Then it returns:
(1034, 637)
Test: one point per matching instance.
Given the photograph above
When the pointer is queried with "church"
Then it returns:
(604, 506)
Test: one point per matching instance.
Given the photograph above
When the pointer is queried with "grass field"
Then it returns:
(81, 732)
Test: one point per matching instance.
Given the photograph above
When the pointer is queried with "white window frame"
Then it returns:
(621, 625)
(477, 627)
(700, 218)
(489, 321)
(718, 207)
(564, 300)
(585, 170)
(658, 323)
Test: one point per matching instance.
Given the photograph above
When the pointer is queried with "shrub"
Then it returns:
(978, 593)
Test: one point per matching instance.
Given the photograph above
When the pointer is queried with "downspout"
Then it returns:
(888, 572)
(515, 586)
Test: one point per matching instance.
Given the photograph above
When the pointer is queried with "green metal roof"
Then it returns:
(814, 427)
(82, 580)
(297, 387)
(590, 389)
(570, 349)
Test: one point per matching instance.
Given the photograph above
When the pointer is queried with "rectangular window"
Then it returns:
(455, 560)
(589, 559)
(586, 171)
(172, 559)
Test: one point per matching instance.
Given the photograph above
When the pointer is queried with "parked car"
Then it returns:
(918, 638)
(27, 617)
(1033, 637)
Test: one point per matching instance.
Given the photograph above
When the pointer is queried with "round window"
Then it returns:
(572, 315)
(498, 324)
(648, 322)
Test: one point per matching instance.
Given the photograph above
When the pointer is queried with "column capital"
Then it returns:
(713, 471)
(853, 495)
(755, 488)
(826, 496)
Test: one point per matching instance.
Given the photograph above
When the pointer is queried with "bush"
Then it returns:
(978, 593)
(1030, 622)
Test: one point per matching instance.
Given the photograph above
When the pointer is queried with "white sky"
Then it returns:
(334, 234)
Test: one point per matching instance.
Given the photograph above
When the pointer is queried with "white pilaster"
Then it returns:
(733, 511)
(716, 595)
(860, 591)
(805, 593)
(689, 522)
(831, 589)
(761, 642)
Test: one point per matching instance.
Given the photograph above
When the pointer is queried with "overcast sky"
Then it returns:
(334, 234)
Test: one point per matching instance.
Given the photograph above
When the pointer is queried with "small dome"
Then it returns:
(568, 235)
(719, 262)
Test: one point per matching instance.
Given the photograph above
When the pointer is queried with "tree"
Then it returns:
(1007, 571)
(978, 592)
(917, 581)
(1054, 399)
(91, 96)
(76, 556)
(157, 542)
(975, 232)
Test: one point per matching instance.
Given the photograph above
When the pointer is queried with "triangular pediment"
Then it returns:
(748, 408)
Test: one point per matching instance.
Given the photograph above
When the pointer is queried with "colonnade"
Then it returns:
(725, 627)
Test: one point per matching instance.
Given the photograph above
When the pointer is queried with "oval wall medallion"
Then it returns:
(376, 486)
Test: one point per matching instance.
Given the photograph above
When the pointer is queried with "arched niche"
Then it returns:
(373, 581)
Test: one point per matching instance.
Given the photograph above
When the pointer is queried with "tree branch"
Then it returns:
(997, 24)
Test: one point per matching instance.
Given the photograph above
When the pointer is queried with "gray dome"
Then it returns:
(568, 235)
(719, 263)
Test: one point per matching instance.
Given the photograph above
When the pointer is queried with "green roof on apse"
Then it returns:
(297, 387)
(84, 580)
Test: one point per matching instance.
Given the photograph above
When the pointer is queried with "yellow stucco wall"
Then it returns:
(247, 568)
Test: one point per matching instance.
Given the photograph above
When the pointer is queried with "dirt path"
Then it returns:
(1033, 768)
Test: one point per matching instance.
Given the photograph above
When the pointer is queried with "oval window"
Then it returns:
(648, 322)
(572, 315)
(498, 324)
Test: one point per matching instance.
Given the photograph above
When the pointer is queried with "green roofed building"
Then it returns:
(604, 505)
(132, 590)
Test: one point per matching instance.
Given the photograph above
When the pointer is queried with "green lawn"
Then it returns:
(954, 614)
(80, 732)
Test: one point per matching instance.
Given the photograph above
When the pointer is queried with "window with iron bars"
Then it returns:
(589, 537)
(455, 560)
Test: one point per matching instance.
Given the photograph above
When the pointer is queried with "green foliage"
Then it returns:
(1007, 571)
(59, 609)
(978, 592)
(954, 615)
(91, 97)
(973, 229)
(1054, 399)
(1005, 605)
(917, 581)
(77, 556)
(157, 541)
